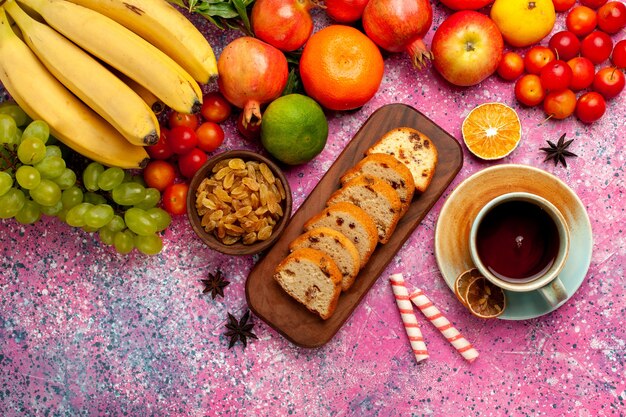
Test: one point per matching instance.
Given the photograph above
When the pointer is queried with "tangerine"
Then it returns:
(294, 129)
(491, 131)
(341, 68)
(484, 299)
(463, 281)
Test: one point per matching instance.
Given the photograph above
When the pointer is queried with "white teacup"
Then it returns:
(520, 242)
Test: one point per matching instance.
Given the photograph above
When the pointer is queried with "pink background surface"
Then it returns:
(86, 331)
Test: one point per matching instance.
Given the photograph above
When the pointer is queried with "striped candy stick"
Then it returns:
(409, 320)
(438, 320)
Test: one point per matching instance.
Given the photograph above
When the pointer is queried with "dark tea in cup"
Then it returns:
(517, 241)
(520, 242)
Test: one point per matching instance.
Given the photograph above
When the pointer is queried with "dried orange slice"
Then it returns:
(484, 299)
(492, 131)
(462, 282)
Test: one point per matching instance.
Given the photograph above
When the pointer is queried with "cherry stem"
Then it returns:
(545, 120)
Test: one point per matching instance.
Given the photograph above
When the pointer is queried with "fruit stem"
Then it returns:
(313, 3)
(251, 114)
(419, 53)
(545, 120)
(8, 159)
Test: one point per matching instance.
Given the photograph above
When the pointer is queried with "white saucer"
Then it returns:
(453, 225)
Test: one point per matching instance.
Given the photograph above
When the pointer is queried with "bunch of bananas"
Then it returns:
(92, 69)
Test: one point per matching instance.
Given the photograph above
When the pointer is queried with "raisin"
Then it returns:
(352, 225)
(339, 221)
(311, 292)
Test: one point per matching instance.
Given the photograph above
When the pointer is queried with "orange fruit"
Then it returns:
(462, 282)
(492, 131)
(341, 68)
(484, 299)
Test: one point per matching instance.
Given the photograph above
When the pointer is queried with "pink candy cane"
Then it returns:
(443, 325)
(408, 317)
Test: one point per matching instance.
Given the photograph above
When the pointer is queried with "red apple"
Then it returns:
(467, 48)
(466, 4)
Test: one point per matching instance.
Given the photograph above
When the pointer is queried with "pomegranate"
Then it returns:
(345, 11)
(285, 24)
(400, 25)
(252, 73)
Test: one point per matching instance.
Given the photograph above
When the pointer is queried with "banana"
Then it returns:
(150, 99)
(96, 86)
(43, 97)
(163, 26)
(123, 50)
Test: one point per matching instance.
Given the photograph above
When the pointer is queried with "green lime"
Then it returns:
(294, 129)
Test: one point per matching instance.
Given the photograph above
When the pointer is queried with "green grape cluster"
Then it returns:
(35, 181)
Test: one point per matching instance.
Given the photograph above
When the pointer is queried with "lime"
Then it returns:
(294, 129)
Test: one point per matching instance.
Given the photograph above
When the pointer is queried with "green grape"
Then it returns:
(17, 139)
(94, 198)
(152, 198)
(89, 229)
(138, 179)
(52, 210)
(12, 109)
(6, 182)
(98, 216)
(71, 197)
(161, 218)
(66, 179)
(140, 222)
(47, 193)
(51, 166)
(110, 178)
(31, 151)
(62, 215)
(11, 202)
(128, 194)
(116, 224)
(91, 174)
(149, 245)
(106, 236)
(53, 150)
(29, 214)
(124, 241)
(8, 128)
(37, 129)
(75, 216)
(27, 177)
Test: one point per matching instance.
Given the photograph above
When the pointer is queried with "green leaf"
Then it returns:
(240, 6)
(180, 3)
(294, 83)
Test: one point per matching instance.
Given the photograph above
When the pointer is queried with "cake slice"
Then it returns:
(353, 222)
(378, 200)
(388, 169)
(312, 278)
(413, 149)
(337, 246)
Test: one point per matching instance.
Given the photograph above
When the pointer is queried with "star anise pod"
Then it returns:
(239, 330)
(558, 152)
(215, 284)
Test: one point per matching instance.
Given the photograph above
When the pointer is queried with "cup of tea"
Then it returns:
(520, 242)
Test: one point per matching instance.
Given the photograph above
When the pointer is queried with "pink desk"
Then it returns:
(85, 331)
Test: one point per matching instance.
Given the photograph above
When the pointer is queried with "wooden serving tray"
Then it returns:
(291, 319)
